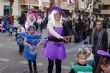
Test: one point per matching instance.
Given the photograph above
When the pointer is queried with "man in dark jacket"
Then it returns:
(99, 40)
(78, 31)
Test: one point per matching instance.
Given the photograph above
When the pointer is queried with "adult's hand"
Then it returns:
(67, 38)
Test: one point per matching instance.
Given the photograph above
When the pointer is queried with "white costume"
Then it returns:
(28, 22)
(51, 24)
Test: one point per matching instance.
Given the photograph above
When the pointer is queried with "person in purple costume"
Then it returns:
(55, 50)
(104, 63)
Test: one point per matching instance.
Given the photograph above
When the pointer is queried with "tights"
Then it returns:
(34, 66)
(51, 64)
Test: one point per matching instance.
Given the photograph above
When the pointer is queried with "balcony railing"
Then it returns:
(105, 11)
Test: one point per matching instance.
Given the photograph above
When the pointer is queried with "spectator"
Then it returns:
(99, 40)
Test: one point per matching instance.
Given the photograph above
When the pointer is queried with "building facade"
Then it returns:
(105, 8)
(20, 6)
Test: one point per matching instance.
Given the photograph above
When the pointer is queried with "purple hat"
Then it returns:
(57, 8)
(103, 53)
(54, 8)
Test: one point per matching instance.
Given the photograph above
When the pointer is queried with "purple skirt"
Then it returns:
(54, 50)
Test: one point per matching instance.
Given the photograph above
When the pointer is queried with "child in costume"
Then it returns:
(55, 50)
(31, 19)
(90, 56)
(20, 39)
(31, 43)
(104, 62)
(81, 65)
(90, 59)
(10, 31)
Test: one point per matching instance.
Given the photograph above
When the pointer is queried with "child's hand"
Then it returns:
(38, 46)
(30, 47)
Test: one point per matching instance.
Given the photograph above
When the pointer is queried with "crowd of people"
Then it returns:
(92, 57)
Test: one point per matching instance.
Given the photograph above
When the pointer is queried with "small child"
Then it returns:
(105, 66)
(104, 62)
(81, 65)
(90, 59)
(31, 42)
(11, 31)
(90, 56)
(20, 39)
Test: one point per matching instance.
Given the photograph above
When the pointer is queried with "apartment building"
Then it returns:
(19, 6)
(104, 6)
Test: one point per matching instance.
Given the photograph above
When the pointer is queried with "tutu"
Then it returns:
(54, 50)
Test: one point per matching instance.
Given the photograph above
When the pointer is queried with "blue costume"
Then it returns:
(20, 38)
(4, 19)
(33, 41)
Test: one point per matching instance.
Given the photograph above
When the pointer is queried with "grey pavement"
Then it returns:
(12, 62)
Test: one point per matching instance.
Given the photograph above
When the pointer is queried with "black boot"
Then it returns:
(30, 72)
(35, 67)
(35, 71)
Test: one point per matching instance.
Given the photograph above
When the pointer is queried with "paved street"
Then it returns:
(12, 62)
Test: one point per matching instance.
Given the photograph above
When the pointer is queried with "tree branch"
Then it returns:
(87, 3)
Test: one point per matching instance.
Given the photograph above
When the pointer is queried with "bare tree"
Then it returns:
(81, 6)
(88, 2)
(52, 3)
(11, 4)
(55, 3)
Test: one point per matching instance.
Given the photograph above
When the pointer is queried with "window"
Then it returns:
(104, 7)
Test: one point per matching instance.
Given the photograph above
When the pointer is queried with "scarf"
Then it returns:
(98, 34)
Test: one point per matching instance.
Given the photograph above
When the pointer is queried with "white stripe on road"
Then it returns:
(25, 62)
(3, 69)
(4, 60)
(66, 67)
(41, 64)
(8, 39)
(38, 63)
(2, 44)
(71, 50)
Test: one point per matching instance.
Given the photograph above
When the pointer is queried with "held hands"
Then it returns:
(31, 48)
(38, 46)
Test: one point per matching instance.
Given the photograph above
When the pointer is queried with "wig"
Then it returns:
(28, 22)
(52, 17)
(52, 23)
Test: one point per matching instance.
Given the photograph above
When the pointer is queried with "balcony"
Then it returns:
(106, 2)
(97, 10)
(105, 12)
(64, 5)
(33, 3)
